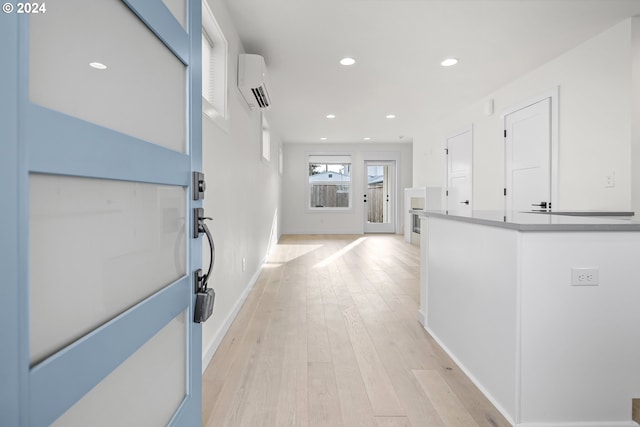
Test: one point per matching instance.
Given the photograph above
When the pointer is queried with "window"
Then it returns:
(214, 66)
(266, 140)
(329, 182)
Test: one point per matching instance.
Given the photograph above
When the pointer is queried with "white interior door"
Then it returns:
(379, 197)
(528, 157)
(460, 173)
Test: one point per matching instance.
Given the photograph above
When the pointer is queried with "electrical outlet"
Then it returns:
(244, 264)
(585, 276)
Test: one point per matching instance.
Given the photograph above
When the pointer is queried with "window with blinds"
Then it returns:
(214, 66)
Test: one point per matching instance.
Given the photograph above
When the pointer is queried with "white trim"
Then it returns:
(554, 95)
(224, 328)
(395, 186)
(582, 424)
(472, 378)
(397, 157)
(330, 157)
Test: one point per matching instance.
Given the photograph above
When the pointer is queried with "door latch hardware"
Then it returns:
(199, 186)
(205, 296)
(543, 205)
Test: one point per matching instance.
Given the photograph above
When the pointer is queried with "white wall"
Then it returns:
(296, 219)
(242, 197)
(594, 81)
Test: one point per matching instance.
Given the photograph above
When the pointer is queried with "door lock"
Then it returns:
(205, 296)
(199, 186)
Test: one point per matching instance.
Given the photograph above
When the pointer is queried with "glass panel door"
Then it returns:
(97, 307)
(379, 197)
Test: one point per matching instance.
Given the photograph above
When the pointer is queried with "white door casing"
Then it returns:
(385, 220)
(459, 193)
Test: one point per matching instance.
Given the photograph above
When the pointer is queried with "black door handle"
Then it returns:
(466, 202)
(541, 204)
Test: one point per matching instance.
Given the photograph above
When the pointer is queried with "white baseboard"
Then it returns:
(473, 379)
(506, 414)
(582, 424)
(422, 318)
(222, 331)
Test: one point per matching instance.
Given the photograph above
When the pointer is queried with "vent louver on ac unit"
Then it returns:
(252, 81)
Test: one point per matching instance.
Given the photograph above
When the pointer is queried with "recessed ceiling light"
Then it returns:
(331, 116)
(98, 65)
(449, 62)
(366, 138)
(390, 116)
(347, 61)
(323, 139)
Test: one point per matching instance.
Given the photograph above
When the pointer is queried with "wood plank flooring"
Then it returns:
(329, 337)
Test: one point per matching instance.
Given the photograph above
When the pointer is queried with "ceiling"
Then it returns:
(398, 46)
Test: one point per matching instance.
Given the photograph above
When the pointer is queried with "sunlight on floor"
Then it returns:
(338, 254)
(284, 253)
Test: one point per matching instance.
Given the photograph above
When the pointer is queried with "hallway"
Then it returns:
(329, 337)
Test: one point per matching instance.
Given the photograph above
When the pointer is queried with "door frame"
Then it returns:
(393, 186)
(554, 95)
(458, 132)
(25, 150)
(381, 156)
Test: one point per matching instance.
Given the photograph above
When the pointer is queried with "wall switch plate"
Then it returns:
(585, 276)
(244, 264)
(610, 180)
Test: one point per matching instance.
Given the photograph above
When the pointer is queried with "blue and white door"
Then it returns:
(100, 123)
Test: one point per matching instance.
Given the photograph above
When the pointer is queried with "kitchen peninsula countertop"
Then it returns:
(544, 221)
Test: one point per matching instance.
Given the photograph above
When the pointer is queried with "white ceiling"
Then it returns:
(398, 46)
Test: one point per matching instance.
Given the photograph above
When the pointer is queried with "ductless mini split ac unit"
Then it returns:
(252, 81)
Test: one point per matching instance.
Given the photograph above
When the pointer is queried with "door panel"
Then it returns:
(460, 173)
(146, 390)
(104, 262)
(528, 157)
(126, 239)
(140, 69)
(379, 190)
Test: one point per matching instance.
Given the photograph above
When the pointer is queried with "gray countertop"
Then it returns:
(545, 221)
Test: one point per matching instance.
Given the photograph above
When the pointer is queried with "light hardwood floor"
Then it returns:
(329, 337)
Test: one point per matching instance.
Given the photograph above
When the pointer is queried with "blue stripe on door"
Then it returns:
(11, 373)
(162, 22)
(59, 141)
(59, 381)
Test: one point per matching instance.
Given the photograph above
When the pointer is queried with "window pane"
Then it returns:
(179, 9)
(112, 243)
(131, 83)
(146, 390)
(206, 69)
(329, 185)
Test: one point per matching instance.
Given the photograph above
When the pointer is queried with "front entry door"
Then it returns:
(528, 157)
(379, 196)
(97, 296)
(460, 173)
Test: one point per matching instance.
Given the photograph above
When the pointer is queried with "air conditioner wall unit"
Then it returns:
(252, 81)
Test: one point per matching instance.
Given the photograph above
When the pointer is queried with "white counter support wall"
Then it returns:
(546, 353)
